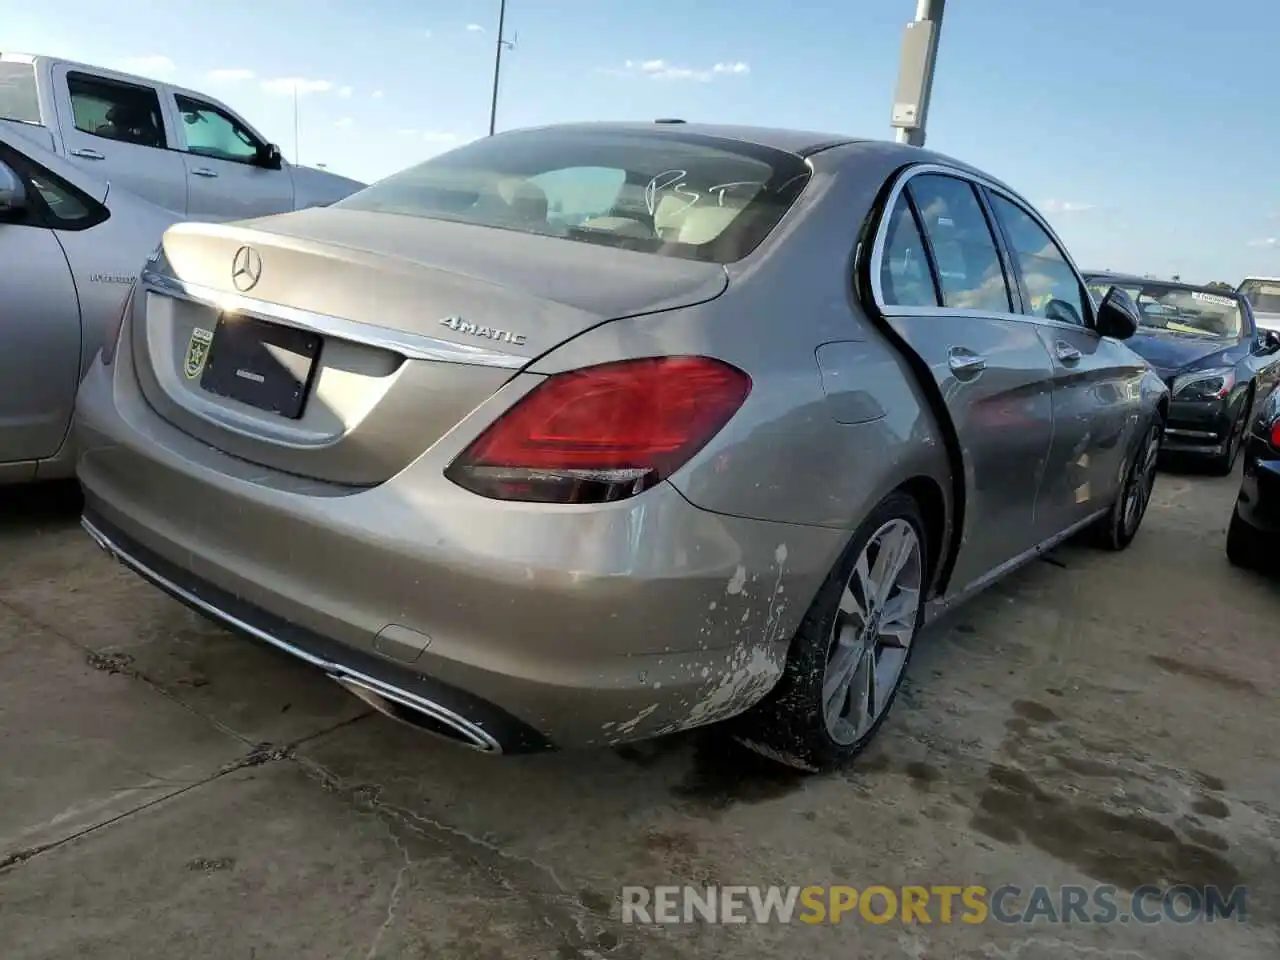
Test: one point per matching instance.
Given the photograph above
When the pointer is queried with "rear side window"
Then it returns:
(968, 262)
(116, 111)
(18, 98)
(905, 278)
(678, 195)
(57, 204)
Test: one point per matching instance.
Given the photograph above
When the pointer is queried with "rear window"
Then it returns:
(18, 99)
(678, 195)
(1263, 295)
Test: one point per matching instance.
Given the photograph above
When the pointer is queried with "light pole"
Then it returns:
(915, 72)
(497, 66)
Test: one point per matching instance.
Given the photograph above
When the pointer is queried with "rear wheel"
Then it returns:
(1117, 529)
(1245, 546)
(851, 652)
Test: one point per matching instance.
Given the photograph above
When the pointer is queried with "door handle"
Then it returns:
(86, 154)
(203, 172)
(1066, 352)
(965, 363)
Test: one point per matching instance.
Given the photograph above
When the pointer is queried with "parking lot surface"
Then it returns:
(171, 790)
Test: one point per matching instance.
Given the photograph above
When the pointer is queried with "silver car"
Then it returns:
(590, 433)
(71, 249)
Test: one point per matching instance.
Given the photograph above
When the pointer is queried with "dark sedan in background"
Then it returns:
(1253, 539)
(1205, 344)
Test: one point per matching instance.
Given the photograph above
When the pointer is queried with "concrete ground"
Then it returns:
(169, 790)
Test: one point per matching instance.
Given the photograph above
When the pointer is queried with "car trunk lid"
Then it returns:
(379, 332)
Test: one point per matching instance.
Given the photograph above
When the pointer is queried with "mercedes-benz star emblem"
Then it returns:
(246, 268)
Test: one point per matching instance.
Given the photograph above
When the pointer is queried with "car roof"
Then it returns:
(1172, 284)
(801, 142)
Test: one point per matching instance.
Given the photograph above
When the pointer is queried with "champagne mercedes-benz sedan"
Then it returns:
(591, 433)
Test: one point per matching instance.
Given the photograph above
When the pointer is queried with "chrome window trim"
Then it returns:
(410, 345)
(882, 232)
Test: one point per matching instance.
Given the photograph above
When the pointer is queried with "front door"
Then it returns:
(224, 179)
(1097, 394)
(944, 292)
(117, 131)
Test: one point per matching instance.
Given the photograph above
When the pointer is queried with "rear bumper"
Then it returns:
(1198, 428)
(537, 625)
(1259, 501)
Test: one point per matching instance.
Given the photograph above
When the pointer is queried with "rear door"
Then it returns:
(39, 316)
(118, 131)
(1097, 395)
(943, 289)
(224, 179)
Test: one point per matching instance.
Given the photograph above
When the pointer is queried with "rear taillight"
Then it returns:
(602, 433)
(1275, 435)
(113, 330)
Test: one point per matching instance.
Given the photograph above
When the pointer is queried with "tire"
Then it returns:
(1225, 462)
(791, 725)
(1246, 547)
(1117, 529)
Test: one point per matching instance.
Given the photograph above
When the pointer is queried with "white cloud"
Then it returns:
(1265, 242)
(230, 75)
(662, 70)
(377, 94)
(303, 86)
(1050, 207)
(344, 122)
(474, 28)
(152, 65)
(345, 93)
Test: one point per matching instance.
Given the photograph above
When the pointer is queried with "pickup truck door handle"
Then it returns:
(86, 154)
(964, 363)
(203, 172)
(1066, 352)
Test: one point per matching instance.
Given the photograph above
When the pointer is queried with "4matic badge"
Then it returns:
(489, 333)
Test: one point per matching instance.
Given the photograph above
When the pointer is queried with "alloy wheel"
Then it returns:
(872, 633)
(1142, 483)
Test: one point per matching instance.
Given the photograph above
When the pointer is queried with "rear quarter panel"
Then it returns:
(835, 419)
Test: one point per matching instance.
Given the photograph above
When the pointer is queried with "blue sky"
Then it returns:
(1146, 131)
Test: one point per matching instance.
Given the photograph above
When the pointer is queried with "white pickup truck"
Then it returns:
(177, 148)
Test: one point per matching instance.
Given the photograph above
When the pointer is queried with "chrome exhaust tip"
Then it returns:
(421, 714)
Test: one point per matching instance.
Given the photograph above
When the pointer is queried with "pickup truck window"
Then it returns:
(18, 99)
(116, 111)
(212, 132)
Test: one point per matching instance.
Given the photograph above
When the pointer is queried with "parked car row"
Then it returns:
(592, 433)
(1219, 365)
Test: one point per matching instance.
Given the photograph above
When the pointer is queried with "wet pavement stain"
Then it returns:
(1125, 849)
(1210, 675)
(724, 773)
(922, 775)
(1033, 711)
(1210, 782)
(1211, 807)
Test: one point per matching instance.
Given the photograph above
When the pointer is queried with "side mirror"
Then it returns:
(1118, 315)
(13, 193)
(269, 157)
(1271, 339)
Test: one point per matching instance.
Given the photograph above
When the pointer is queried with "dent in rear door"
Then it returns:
(990, 367)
